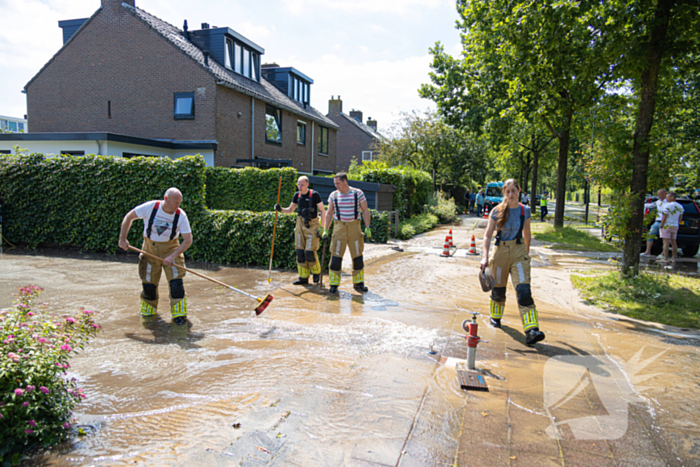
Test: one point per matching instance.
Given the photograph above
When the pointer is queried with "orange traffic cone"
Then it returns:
(472, 247)
(449, 236)
(446, 248)
(486, 212)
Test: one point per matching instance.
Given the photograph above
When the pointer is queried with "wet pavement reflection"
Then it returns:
(349, 379)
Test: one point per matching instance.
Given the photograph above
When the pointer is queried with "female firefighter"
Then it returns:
(511, 255)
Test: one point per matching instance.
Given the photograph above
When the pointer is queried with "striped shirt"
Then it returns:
(344, 205)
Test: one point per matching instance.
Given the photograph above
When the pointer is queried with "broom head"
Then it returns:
(264, 302)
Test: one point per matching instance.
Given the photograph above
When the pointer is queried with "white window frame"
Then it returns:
(364, 153)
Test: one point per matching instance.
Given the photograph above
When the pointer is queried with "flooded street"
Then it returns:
(350, 380)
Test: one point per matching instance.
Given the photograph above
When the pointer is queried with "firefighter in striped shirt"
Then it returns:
(345, 206)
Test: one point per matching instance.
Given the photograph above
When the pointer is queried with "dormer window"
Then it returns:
(242, 60)
(300, 90)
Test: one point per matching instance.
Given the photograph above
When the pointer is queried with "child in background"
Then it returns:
(672, 217)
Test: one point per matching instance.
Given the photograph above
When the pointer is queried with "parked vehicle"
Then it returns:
(493, 194)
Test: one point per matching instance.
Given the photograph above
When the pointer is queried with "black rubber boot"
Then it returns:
(533, 336)
(360, 287)
(317, 278)
(496, 322)
(334, 289)
(301, 281)
(180, 320)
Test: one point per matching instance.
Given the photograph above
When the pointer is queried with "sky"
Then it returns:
(374, 54)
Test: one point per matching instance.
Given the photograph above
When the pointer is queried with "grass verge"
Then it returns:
(665, 299)
(416, 224)
(569, 238)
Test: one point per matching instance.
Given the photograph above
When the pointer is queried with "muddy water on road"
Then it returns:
(347, 380)
(328, 379)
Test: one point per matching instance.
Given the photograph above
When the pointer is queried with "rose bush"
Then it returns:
(36, 396)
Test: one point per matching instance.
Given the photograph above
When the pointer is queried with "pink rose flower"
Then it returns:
(28, 431)
(30, 388)
(25, 404)
(43, 389)
(19, 391)
(70, 320)
(66, 347)
(32, 423)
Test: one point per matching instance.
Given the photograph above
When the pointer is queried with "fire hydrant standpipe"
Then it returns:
(473, 339)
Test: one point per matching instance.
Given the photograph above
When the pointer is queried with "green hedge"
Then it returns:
(81, 201)
(413, 187)
(76, 200)
(249, 189)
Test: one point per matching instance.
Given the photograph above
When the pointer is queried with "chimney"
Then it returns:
(356, 114)
(205, 25)
(335, 106)
(372, 123)
(115, 3)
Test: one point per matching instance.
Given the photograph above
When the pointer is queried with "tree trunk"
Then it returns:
(535, 162)
(640, 149)
(561, 170)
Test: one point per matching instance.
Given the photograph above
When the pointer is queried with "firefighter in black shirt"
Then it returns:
(308, 205)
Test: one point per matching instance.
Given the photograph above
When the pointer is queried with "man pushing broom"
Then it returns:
(164, 222)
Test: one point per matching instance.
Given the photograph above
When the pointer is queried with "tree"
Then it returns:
(661, 36)
(544, 60)
(426, 142)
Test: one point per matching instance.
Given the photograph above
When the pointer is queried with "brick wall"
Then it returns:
(351, 142)
(118, 58)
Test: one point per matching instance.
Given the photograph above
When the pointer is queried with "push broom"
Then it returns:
(264, 302)
(274, 231)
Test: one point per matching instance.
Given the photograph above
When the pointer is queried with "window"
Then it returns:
(273, 125)
(13, 126)
(237, 52)
(255, 64)
(366, 155)
(20, 127)
(301, 132)
(5, 151)
(184, 106)
(323, 140)
(246, 63)
(229, 56)
(72, 153)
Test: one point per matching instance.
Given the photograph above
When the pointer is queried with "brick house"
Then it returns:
(355, 139)
(123, 71)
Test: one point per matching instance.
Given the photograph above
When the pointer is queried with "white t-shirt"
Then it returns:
(673, 213)
(658, 204)
(163, 223)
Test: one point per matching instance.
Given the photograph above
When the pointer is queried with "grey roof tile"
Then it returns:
(263, 91)
(366, 128)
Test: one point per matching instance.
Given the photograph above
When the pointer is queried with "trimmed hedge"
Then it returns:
(413, 187)
(81, 201)
(249, 189)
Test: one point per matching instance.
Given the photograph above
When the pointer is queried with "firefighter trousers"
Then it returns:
(511, 258)
(347, 235)
(306, 246)
(150, 270)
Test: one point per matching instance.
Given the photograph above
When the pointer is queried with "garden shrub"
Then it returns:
(413, 187)
(416, 225)
(36, 397)
(442, 207)
(81, 201)
(249, 189)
